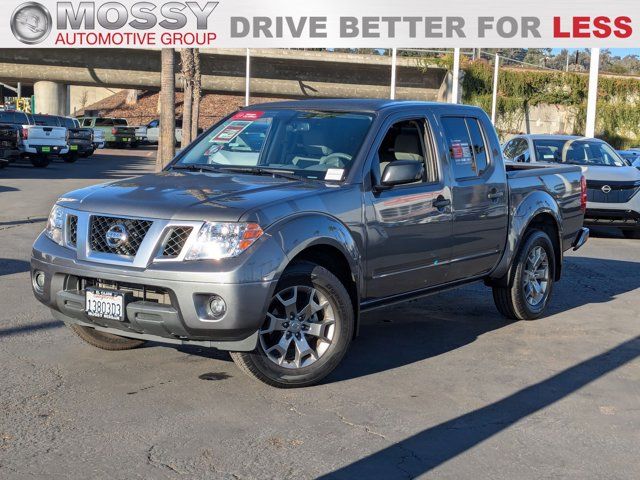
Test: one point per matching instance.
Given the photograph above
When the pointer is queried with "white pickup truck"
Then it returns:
(39, 142)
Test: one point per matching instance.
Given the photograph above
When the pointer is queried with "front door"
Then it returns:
(408, 226)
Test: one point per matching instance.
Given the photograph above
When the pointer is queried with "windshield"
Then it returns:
(307, 143)
(577, 152)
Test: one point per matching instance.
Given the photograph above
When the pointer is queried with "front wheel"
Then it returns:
(105, 341)
(531, 281)
(307, 331)
(632, 234)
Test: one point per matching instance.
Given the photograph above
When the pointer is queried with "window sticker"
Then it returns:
(334, 174)
(248, 115)
(231, 131)
(461, 152)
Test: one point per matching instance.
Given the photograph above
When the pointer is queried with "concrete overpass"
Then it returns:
(284, 73)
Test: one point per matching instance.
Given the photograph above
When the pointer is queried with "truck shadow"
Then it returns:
(430, 448)
(404, 334)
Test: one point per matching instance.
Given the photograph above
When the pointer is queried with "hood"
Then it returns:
(187, 195)
(612, 174)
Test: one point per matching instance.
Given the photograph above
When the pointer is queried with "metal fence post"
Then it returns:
(394, 64)
(247, 81)
(456, 75)
(494, 101)
(592, 99)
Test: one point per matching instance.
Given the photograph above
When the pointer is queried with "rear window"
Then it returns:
(121, 122)
(46, 120)
(69, 122)
(467, 149)
(104, 122)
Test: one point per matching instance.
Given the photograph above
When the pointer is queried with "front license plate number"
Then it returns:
(46, 149)
(74, 147)
(107, 304)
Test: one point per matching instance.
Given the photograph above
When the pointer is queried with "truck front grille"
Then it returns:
(620, 192)
(138, 292)
(135, 230)
(175, 241)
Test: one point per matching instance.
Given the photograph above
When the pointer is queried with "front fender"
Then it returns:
(296, 234)
(529, 207)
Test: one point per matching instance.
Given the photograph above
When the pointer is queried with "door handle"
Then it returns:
(441, 203)
(495, 195)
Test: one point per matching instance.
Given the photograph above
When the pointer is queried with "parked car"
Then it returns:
(152, 131)
(117, 132)
(612, 184)
(632, 156)
(10, 140)
(79, 140)
(99, 142)
(39, 143)
(271, 244)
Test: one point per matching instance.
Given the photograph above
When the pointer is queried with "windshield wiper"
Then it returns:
(275, 172)
(195, 167)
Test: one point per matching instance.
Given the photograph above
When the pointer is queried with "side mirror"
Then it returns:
(401, 172)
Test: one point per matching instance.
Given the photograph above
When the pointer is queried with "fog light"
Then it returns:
(217, 307)
(39, 280)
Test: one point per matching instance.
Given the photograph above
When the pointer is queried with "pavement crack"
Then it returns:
(366, 428)
(159, 463)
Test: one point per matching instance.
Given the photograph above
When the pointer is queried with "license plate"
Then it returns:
(125, 139)
(107, 304)
(46, 149)
(74, 147)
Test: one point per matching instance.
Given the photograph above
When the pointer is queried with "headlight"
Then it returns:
(223, 240)
(55, 224)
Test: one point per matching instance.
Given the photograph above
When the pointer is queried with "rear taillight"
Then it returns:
(583, 193)
(114, 131)
(25, 133)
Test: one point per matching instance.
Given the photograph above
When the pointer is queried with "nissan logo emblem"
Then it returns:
(116, 236)
(606, 189)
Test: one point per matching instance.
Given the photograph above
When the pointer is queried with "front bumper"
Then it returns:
(599, 217)
(183, 319)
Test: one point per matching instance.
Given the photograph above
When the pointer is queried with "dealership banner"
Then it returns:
(325, 24)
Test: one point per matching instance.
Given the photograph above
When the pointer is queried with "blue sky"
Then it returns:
(620, 52)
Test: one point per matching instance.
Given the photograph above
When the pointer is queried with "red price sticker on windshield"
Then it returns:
(248, 115)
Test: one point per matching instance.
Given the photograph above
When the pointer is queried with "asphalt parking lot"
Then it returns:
(442, 387)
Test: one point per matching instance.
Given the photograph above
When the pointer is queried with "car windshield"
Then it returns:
(577, 152)
(46, 120)
(306, 143)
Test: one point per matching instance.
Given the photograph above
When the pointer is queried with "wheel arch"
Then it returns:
(537, 210)
(325, 241)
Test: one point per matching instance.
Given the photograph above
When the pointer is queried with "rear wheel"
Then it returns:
(40, 161)
(307, 331)
(531, 280)
(3, 163)
(632, 234)
(87, 154)
(105, 341)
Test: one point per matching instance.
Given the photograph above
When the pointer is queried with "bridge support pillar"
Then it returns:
(51, 98)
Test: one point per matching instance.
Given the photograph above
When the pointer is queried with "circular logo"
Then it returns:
(116, 236)
(31, 23)
(606, 189)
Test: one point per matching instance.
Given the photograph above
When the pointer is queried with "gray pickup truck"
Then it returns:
(272, 233)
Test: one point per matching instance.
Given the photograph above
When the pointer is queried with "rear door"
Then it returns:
(479, 196)
(408, 226)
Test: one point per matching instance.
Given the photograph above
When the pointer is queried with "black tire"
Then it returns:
(305, 274)
(512, 301)
(105, 341)
(3, 163)
(87, 154)
(134, 145)
(40, 161)
(632, 234)
(70, 158)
